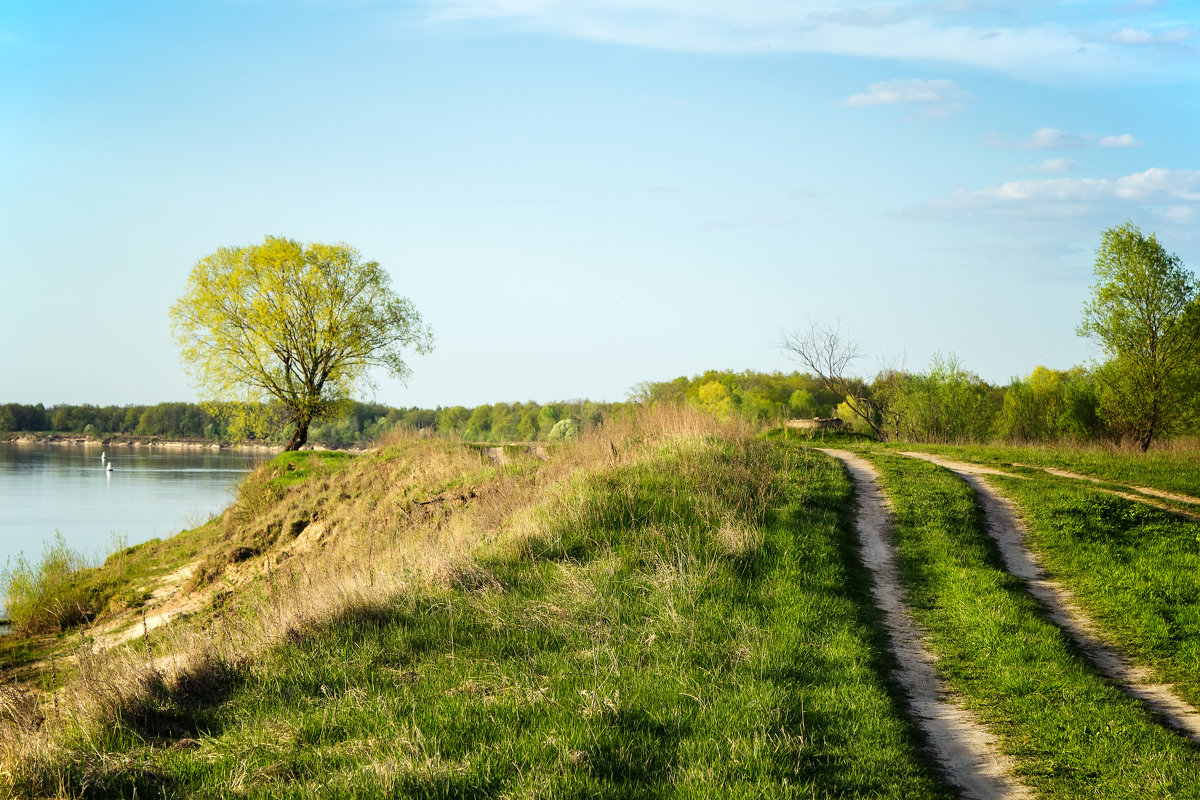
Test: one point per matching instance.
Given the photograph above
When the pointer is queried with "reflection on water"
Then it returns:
(150, 492)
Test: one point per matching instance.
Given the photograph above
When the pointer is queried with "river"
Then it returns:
(150, 492)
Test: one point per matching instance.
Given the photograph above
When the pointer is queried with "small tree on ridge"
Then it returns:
(298, 324)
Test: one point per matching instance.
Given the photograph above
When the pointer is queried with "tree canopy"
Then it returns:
(1143, 315)
(302, 324)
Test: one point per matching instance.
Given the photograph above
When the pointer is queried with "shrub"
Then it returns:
(563, 429)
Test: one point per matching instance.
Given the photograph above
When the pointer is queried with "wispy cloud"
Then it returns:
(1041, 139)
(1038, 41)
(1051, 166)
(1141, 36)
(1035, 40)
(1169, 196)
(1152, 185)
(1124, 140)
(938, 97)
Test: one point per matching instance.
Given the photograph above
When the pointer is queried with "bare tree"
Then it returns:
(827, 352)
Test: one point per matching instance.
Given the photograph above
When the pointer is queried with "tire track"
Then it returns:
(1008, 531)
(1142, 496)
(964, 749)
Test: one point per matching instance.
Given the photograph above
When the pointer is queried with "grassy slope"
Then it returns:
(648, 629)
(1074, 735)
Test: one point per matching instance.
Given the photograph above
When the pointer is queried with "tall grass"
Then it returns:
(52, 594)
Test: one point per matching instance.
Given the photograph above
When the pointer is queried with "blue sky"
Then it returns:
(582, 195)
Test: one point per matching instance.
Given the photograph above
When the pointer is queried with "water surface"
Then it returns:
(151, 492)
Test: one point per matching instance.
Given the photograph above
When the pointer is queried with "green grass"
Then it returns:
(1176, 470)
(1072, 734)
(1135, 569)
(694, 623)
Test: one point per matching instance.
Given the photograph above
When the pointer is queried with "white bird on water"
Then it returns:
(102, 456)
(108, 467)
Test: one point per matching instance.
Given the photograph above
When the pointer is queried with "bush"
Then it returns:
(563, 429)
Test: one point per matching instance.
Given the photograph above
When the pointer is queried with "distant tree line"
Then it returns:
(755, 397)
(945, 403)
(173, 420)
(360, 425)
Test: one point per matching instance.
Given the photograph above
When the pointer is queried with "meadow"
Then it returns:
(667, 606)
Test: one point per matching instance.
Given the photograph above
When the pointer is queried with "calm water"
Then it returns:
(150, 493)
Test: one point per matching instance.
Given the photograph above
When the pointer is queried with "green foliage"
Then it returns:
(802, 405)
(563, 430)
(1051, 405)
(298, 324)
(755, 397)
(1143, 314)
(945, 404)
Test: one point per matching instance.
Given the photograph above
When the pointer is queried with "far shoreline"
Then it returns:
(131, 441)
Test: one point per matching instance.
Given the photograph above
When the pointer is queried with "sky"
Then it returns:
(580, 195)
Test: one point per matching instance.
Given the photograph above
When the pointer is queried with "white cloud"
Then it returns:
(1170, 36)
(1180, 215)
(1138, 6)
(1124, 140)
(1052, 166)
(1153, 185)
(1045, 42)
(1170, 194)
(1041, 139)
(938, 97)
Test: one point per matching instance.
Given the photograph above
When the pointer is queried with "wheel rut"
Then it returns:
(964, 749)
(1006, 528)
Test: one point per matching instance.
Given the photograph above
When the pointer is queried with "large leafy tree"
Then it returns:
(1143, 314)
(302, 325)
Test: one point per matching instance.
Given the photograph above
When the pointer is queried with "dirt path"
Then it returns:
(965, 750)
(1143, 492)
(1009, 533)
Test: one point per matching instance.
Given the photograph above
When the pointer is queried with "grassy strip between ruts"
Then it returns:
(1072, 733)
(1134, 568)
(1170, 470)
(659, 632)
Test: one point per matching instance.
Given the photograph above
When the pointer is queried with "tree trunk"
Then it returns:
(299, 436)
